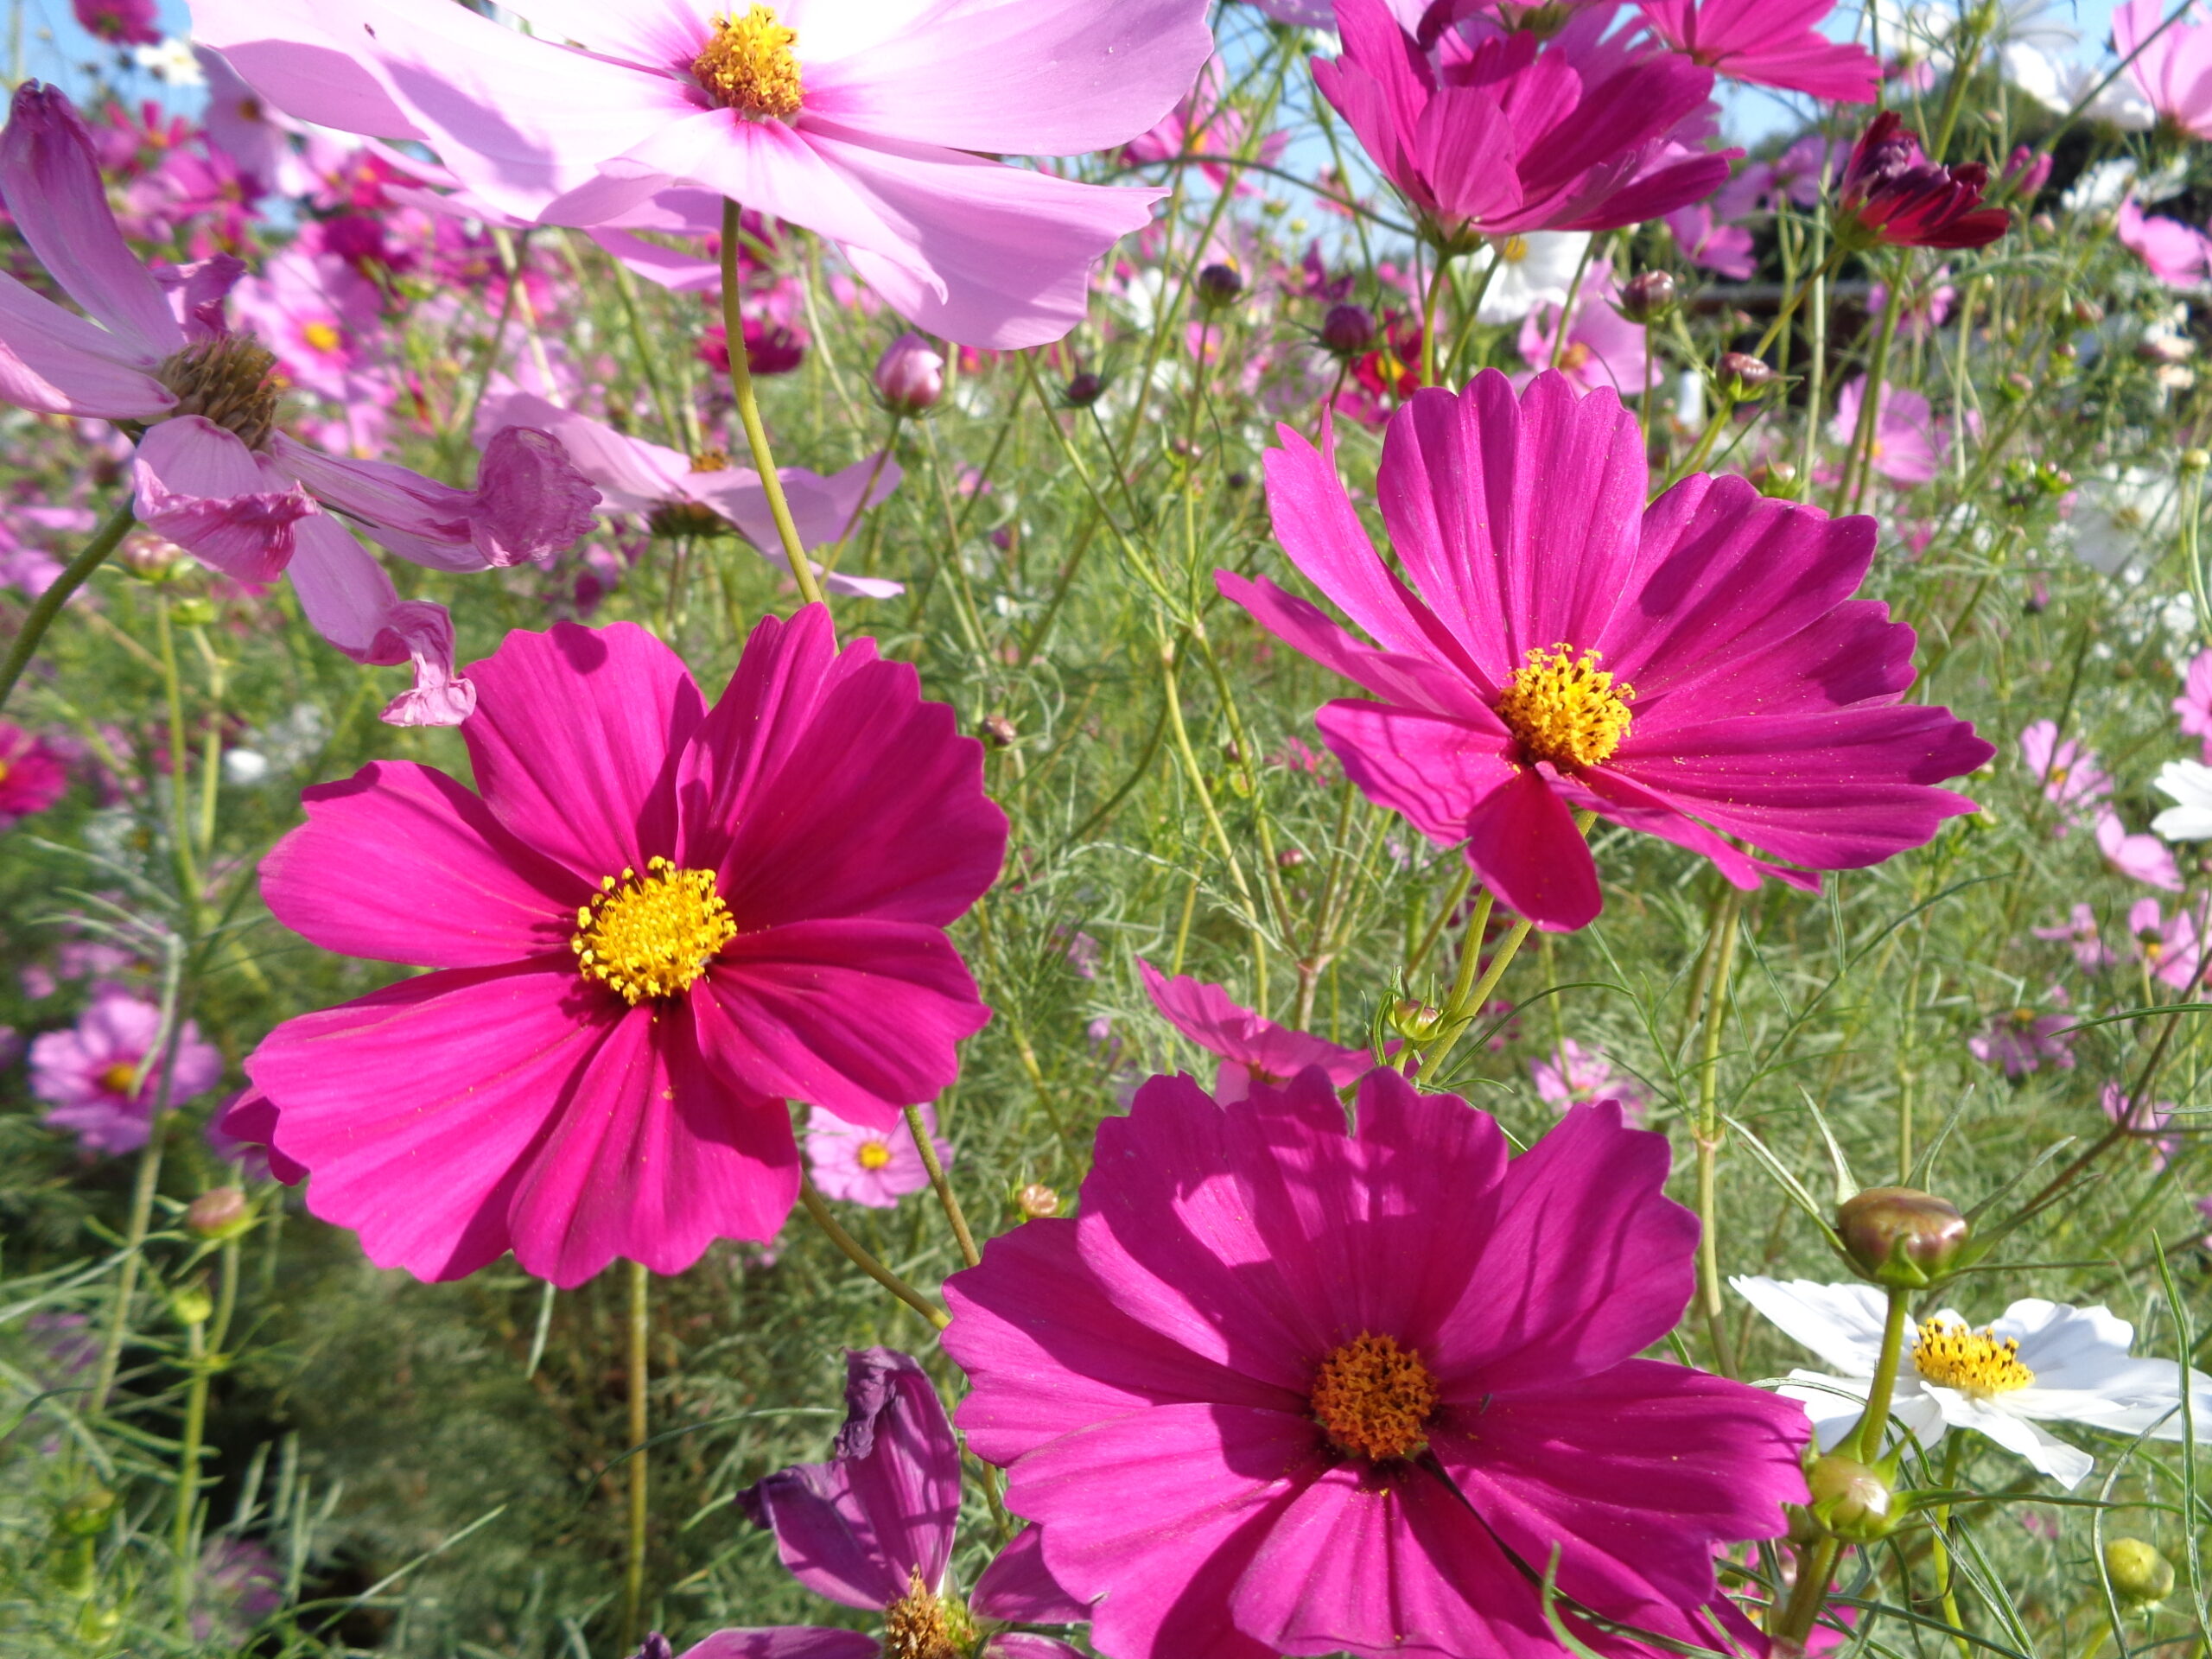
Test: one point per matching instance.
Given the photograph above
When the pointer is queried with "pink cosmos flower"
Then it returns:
(2179, 255)
(2080, 930)
(103, 1078)
(32, 776)
(866, 121)
(658, 923)
(1767, 43)
(680, 494)
(318, 314)
(2173, 67)
(1742, 692)
(1574, 1075)
(872, 1166)
(2195, 703)
(1206, 124)
(1513, 134)
(1603, 349)
(258, 139)
(2024, 1040)
(2140, 858)
(2145, 1124)
(2072, 779)
(1252, 1049)
(1285, 1388)
(1724, 249)
(120, 22)
(212, 473)
(1908, 447)
(2168, 947)
(1892, 194)
(873, 1529)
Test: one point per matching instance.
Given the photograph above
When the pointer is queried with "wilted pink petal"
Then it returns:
(206, 492)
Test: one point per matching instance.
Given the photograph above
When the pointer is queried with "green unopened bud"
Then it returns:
(1900, 1235)
(1416, 1022)
(192, 1305)
(2140, 1577)
(221, 1212)
(2194, 461)
(1851, 1500)
(86, 1514)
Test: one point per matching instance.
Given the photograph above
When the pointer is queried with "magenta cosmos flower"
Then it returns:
(32, 776)
(873, 1529)
(214, 472)
(1892, 194)
(866, 121)
(1695, 670)
(1767, 43)
(1252, 1049)
(1285, 1388)
(1512, 134)
(874, 1167)
(102, 1076)
(659, 923)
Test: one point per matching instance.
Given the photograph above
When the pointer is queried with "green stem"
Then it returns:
(1815, 1569)
(748, 412)
(858, 1254)
(942, 1186)
(1709, 1137)
(1205, 792)
(1868, 1438)
(640, 1329)
(187, 1462)
(47, 605)
(1858, 463)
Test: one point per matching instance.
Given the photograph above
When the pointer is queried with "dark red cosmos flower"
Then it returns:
(1891, 193)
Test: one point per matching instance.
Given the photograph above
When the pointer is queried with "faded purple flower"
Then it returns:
(1574, 1074)
(2071, 777)
(2081, 932)
(102, 1080)
(2168, 947)
(2024, 1040)
(2144, 1124)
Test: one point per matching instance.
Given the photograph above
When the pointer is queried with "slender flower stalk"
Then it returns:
(1876, 1418)
(1709, 1138)
(47, 605)
(640, 1331)
(748, 412)
(925, 1144)
(859, 1255)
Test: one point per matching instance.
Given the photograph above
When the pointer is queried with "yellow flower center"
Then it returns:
(1374, 1399)
(1574, 356)
(710, 461)
(748, 64)
(1978, 1363)
(922, 1626)
(121, 1079)
(1513, 249)
(874, 1154)
(651, 935)
(1565, 709)
(323, 336)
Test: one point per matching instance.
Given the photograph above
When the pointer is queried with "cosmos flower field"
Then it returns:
(1015, 828)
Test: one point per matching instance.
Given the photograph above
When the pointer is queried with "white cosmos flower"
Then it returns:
(2041, 1361)
(2188, 784)
(1530, 270)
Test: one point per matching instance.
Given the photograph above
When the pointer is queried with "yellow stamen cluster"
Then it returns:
(710, 461)
(874, 1154)
(651, 935)
(120, 1078)
(1374, 1399)
(747, 65)
(920, 1625)
(323, 336)
(1513, 249)
(1978, 1363)
(231, 380)
(1565, 709)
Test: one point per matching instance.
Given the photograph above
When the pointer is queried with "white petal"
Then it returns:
(1841, 1323)
(2068, 1347)
(2067, 1465)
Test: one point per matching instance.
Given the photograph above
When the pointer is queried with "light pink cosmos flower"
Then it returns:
(239, 125)
(658, 923)
(1767, 43)
(2081, 930)
(2174, 69)
(2179, 255)
(2142, 858)
(1724, 249)
(2195, 703)
(866, 121)
(1743, 691)
(1574, 1075)
(876, 1166)
(213, 472)
(32, 776)
(1491, 136)
(1603, 348)
(102, 1077)
(2024, 1040)
(1289, 1387)
(2168, 947)
(317, 312)
(1908, 447)
(1252, 1049)
(2145, 1124)
(682, 494)
(2072, 779)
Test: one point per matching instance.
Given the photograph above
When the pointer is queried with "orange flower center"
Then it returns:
(748, 66)
(651, 935)
(121, 1079)
(1374, 1399)
(1565, 709)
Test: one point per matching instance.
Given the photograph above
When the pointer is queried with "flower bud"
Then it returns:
(1219, 284)
(1348, 330)
(2140, 1577)
(86, 1514)
(655, 1646)
(1416, 1022)
(149, 557)
(2194, 461)
(1647, 297)
(1037, 1201)
(1083, 391)
(910, 375)
(221, 1212)
(1900, 1235)
(999, 731)
(191, 1303)
(1851, 1500)
(1743, 376)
